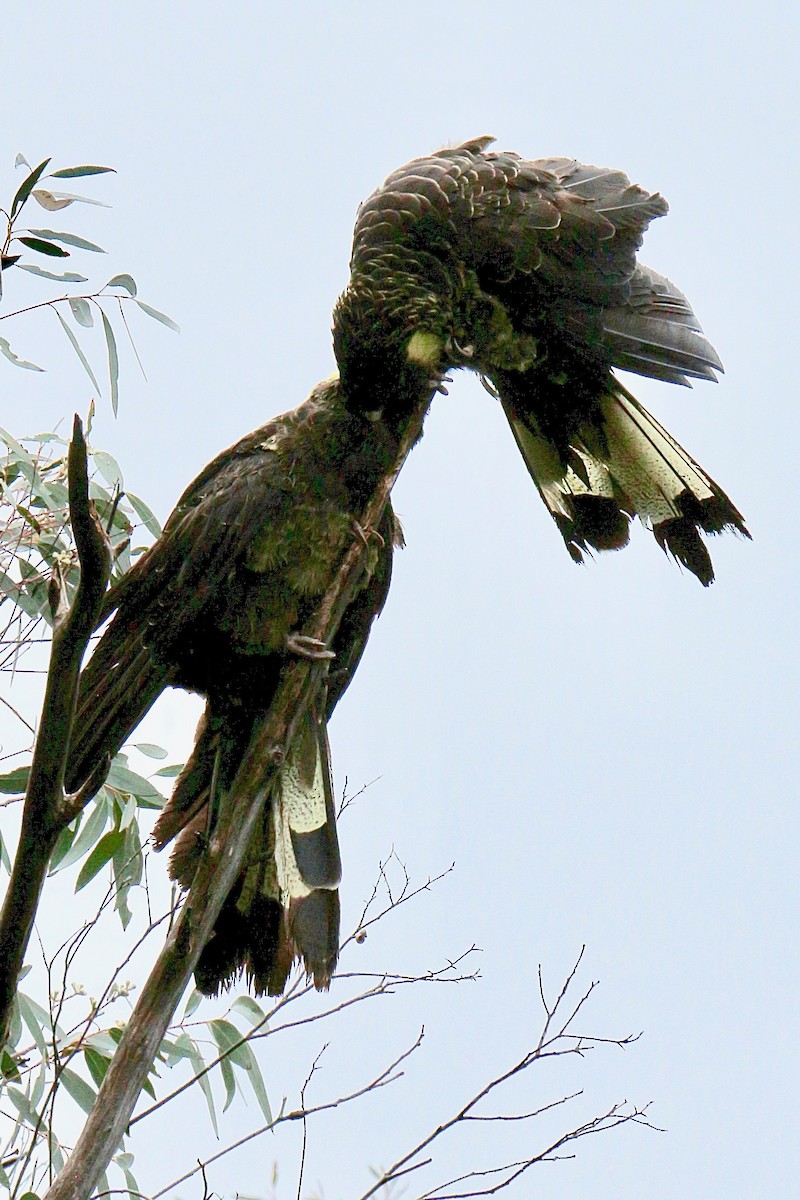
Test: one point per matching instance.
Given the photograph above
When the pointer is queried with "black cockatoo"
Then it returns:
(526, 272)
(215, 606)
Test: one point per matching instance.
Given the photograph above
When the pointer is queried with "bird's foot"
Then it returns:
(308, 647)
(454, 347)
(437, 382)
(366, 534)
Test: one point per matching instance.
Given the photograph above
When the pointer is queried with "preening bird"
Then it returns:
(526, 272)
(215, 606)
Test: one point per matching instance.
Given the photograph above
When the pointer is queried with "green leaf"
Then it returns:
(42, 247)
(144, 514)
(249, 1009)
(78, 1089)
(123, 779)
(81, 311)
(128, 869)
(18, 362)
(78, 350)
(151, 750)
(97, 1064)
(113, 362)
(158, 316)
(108, 467)
(5, 861)
(21, 161)
(103, 852)
(67, 277)
(65, 840)
(31, 1019)
(23, 1106)
(26, 187)
(124, 281)
(88, 835)
(170, 772)
(8, 1067)
(185, 1043)
(74, 172)
(69, 239)
(15, 782)
(193, 1003)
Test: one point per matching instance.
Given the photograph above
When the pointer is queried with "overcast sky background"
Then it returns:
(608, 753)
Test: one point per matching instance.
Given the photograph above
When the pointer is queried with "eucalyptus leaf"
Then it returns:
(108, 467)
(43, 247)
(81, 311)
(78, 1089)
(26, 187)
(151, 750)
(49, 200)
(21, 161)
(77, 349)
(144, 514)
(69, 239)
(158, 316)
(185, 1043)
(14, 783)
(74, 172)
(70, 197)
(103, 852)
(12, 357)
(66, 277)
(92, 830)
(124, 281)
(113, 362)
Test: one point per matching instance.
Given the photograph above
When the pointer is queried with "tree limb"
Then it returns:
(269, 745)
(46, 810)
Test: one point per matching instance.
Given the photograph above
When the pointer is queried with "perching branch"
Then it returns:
(269, 745)
(46, 810)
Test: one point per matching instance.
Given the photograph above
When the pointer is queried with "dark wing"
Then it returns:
(163, 596)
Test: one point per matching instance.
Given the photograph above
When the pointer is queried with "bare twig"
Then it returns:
(44, 814)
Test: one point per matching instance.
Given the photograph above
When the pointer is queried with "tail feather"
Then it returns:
(285, 904)
(622, 463)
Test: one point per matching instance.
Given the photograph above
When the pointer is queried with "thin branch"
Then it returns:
(269, 745)
(44, 813)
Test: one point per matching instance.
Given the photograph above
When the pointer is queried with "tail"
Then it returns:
(285, 904)
(619, 463)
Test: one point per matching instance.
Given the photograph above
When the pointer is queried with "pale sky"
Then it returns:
(608, 753)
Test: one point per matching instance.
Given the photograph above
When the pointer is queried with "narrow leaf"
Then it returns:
(18, 362)
(70, 197)
(97, 1064)
(170, 772)
(69, 239)
(15, 782)
(113, 362)
(5, 861)
(43, 247)
(193, 1003)
(123, 779)
(124, 281)
(249, 1009)
(81, 311)
(144, 514)
(26, 187)
(67, 277)
(78, 1088)
(78, 350)
(158, 316)
(108, 467)
(88, 835)
(198, 1066)
(21, 161)
(49, 201)
(74, 172)
(103, 852)
(29, 1016)
(151, 750)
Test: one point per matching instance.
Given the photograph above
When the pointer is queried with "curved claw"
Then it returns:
(308, 647)
(366, 534)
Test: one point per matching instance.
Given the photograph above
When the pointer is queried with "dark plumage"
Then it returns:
(242, 562)
(526, 272)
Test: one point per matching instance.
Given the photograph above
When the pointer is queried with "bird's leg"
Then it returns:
(308, 647)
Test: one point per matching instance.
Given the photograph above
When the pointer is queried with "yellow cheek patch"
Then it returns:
(424, 349)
